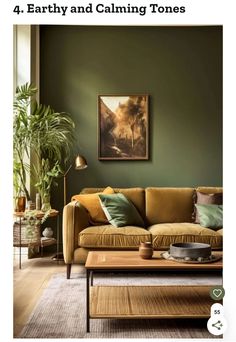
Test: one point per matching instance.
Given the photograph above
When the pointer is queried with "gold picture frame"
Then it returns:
(123, 127)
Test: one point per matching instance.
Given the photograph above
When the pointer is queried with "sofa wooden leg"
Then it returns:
(68, 270)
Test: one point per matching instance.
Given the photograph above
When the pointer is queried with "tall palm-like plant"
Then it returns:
(51, 140)
(46, 133)
(21, 137)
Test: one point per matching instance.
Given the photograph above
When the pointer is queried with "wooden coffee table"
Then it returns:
(165, 301)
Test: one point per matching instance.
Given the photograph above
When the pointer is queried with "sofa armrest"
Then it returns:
(75, 219)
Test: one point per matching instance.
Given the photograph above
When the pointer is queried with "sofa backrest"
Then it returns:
(135, 195)
(168, 205)
(210, 189)
(161, 204)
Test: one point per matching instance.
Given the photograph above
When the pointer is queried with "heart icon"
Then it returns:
(217, 293)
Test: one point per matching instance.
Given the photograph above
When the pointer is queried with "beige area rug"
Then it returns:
(61, 310)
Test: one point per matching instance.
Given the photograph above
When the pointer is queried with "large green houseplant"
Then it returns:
(21, 139)
(43, 133)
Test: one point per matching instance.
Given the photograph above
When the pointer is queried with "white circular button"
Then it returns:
(216, 325)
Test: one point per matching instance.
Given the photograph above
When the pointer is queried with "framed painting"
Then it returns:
(123, 122)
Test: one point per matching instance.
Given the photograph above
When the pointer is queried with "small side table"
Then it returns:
(39, 215)
(47, 242)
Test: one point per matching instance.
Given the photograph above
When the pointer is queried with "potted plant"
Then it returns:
(21, 140)
(46, 134)
(46, 177)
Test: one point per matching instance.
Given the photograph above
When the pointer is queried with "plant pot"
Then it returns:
(46, 205)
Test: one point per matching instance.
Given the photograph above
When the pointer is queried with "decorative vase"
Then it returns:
(146, 250)
(37, 202)
(21, 204)
(47, 232)
(30, 205)
(46, 202)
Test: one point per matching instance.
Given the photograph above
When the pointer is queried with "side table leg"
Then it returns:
(58, 224)
(91, 278)
(20, 247)
(87, 301)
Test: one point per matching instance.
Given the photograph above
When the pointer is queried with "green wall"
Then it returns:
(179, 67)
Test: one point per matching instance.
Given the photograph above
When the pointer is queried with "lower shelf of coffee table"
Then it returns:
(150, 302)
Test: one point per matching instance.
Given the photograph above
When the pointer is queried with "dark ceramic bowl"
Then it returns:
(191, 250)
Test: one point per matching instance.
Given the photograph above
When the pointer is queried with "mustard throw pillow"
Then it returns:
(92, 204)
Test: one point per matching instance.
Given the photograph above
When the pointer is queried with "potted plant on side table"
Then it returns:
(21, 143)
(45, 134)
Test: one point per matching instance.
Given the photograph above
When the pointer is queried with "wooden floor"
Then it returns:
(29, 283)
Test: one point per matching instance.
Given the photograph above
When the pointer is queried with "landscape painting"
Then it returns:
(123, 127)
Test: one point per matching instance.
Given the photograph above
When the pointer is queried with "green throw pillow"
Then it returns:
(210, 215)
(120, 211)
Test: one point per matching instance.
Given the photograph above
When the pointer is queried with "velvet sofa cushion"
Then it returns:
(108, 236)
(220, 231)
(169, 205)
(210, 189)
(92, 204)
(210, 215)
(135, 195)
(119, 211)
(167, 233)
(207, 196)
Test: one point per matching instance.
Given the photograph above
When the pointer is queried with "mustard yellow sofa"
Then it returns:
(167, 213)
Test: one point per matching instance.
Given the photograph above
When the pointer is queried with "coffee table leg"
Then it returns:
(87, 301)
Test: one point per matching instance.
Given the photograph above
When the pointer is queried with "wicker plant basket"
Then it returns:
(30, 234)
